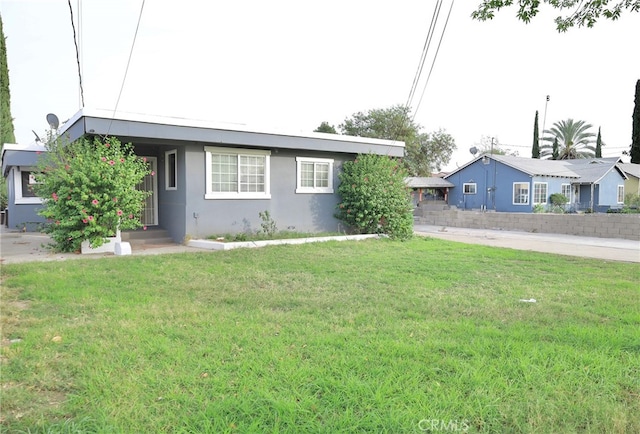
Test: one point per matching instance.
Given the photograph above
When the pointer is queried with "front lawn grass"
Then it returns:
(369, 336)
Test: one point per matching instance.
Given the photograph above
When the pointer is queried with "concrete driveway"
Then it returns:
(18, 246)
(612, 249)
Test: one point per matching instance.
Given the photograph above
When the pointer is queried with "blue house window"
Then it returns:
(566, 191)
(621, 194)
(469, 188)
(520, 193)
(540, 192)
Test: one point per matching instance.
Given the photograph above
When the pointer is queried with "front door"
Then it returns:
(149, 215)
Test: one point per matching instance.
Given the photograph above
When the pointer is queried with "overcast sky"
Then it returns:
(290, 64)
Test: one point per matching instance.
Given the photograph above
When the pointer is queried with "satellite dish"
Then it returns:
(37, 137)
(473, 150)
(53, 121)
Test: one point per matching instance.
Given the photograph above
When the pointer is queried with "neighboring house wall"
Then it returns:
(549, 185)
(485, 177)
(607, 190)
(632, 185)
(603, 225)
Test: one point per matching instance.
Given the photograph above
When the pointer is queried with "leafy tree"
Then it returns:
(535, 149)
(431, 152)
(555, 152)
(580, 12)
(374, 196)
(424, 152)
(89, 190)
(599, 145)
(325, 127)
(574, 139)
(634, 152)
(394, 123)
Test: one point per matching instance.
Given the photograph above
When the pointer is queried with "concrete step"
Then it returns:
(150, 236)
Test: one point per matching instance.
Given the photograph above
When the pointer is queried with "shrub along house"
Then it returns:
(215, 179)
(515, 184)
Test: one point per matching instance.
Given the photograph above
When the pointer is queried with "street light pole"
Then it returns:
(544, 119)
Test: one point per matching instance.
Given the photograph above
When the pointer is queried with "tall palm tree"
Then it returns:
(574, 140)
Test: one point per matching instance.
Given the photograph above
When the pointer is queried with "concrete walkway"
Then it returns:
(16, 247)
(612, 249)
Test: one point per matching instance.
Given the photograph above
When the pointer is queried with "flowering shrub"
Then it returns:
(88, 191)
(374, 197)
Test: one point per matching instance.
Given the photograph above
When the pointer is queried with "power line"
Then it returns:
(423, 55)
(75, 41)
(126, 71)
(434, 59)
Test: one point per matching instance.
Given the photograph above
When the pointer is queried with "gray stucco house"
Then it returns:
(216, 178)
(515, 184)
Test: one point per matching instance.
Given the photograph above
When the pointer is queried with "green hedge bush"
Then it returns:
(375, 198)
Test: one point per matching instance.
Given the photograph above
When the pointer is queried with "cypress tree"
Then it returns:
(599, 145)
(535, 150)
(635, 131)
(556, 152)
(6, 121)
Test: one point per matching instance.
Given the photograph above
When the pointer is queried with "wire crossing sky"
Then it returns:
(289, 65)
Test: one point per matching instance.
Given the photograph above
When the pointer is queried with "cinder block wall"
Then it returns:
(626, 226)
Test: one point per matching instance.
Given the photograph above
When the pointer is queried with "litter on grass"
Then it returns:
(531, 300)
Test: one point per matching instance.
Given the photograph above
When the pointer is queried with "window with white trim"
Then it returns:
(621, 194)
(469, 188)
(314, 175)
(521, 193)
(566, 191)
(237, 173)
(540, 192)
(171, 170)
(24, 181)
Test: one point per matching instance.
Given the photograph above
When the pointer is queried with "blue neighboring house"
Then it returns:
(515, 184)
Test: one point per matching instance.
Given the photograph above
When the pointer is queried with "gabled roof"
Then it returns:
(592, 170)
(630, 169)
(530, 166)
(581, 171)
(536, 167)
(153, 129)
(427, 182)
